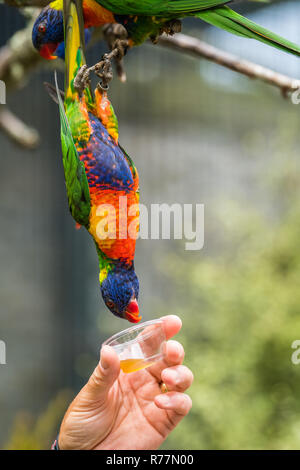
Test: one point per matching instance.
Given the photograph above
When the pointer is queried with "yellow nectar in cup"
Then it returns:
(140, 346)
(133, 365)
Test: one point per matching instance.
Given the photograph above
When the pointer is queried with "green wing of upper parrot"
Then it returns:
(164, 8)
(75, 177)
(230, 21)
(214, 12)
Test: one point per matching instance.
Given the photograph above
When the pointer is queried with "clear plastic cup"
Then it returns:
(140, 346)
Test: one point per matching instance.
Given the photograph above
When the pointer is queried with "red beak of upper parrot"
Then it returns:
(47, 51)
(132, 313)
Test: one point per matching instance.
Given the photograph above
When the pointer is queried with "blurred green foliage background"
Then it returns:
(234, 146)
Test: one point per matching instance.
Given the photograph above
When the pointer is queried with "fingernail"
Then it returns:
(164, 400)
(174, 317)
(174, 376)
(104, 363)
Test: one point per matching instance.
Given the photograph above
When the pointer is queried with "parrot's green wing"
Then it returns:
(211, 11)
(76, 181)
(230, 21)
(163, 8)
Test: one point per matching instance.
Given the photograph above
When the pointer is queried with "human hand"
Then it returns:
(120, 411)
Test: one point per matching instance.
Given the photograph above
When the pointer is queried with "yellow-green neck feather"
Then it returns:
(57, 5)
(74, 55)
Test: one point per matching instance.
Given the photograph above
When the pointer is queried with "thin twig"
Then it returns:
(17, 130)
(18, 59)
(27, 3)
(197, 48)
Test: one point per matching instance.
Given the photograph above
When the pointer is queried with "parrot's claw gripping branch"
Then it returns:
(112, 32)
(102, 69)
(82, 79)
(170, 28)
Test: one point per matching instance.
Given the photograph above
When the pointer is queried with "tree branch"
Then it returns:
(27, 3)
(18, 59)
(17, 130)
(197, 48)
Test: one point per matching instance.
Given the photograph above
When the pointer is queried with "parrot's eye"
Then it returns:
(42, 28)
(110, 304)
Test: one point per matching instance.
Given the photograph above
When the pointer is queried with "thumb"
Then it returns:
(104, 375)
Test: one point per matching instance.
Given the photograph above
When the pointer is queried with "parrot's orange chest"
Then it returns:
(114, 223)
(96, 15)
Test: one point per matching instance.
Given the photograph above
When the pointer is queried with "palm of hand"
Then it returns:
(128, 411)
(131, 412)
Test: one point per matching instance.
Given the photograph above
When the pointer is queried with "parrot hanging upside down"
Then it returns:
(97, 172)
(145, 19)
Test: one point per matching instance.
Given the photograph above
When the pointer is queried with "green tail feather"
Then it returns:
(229, 20)
(65, 127)
(75, 177)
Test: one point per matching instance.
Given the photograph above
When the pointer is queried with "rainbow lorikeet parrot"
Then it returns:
(98, 174)
(145, 19)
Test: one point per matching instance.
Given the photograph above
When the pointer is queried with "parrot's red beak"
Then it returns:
(132, 313)
(47, 51)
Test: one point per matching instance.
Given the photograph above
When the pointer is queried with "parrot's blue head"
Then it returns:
(120, 291)
(48, 32)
